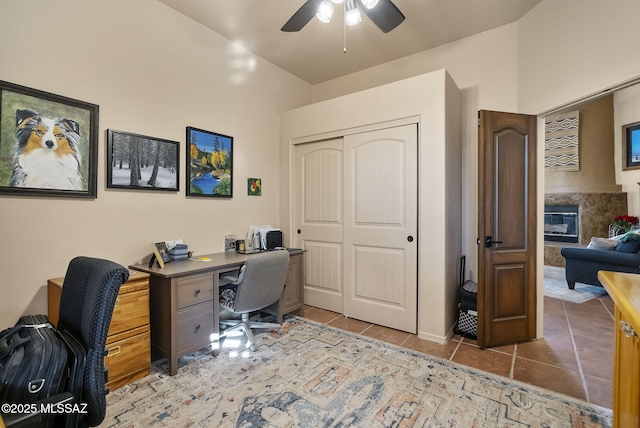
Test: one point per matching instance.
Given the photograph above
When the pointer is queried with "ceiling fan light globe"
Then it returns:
(337, 1)
(325, 11)
(352, 17)
(370, 4)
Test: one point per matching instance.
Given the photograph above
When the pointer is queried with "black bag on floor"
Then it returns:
(467, 324)
(33, 361)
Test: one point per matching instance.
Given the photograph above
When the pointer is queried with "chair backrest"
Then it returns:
(263, 281)
(88, 296)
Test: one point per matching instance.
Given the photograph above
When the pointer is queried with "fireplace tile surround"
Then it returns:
(596, 212)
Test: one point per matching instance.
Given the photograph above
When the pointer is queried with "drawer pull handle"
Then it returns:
(195, 294)
(114, 351)
(197, 328)
(627, 329)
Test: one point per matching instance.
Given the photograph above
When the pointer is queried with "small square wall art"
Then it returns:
(254, 186)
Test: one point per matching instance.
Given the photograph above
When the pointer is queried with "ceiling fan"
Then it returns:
(383, 13)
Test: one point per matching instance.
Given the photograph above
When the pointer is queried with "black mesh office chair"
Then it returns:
(88, 297)
(258, 286)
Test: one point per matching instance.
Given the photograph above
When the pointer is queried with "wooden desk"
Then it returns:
(624, 289)
(183, 300)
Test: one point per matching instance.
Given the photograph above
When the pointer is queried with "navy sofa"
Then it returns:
(582, 264)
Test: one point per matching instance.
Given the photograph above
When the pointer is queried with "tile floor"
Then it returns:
(574, 358)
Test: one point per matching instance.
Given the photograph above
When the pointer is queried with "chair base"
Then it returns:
(245, 325)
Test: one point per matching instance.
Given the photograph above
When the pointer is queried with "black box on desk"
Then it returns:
(274, 239)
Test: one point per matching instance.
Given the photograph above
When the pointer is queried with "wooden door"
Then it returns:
(506, 228)
(381, 223)
(318, 224)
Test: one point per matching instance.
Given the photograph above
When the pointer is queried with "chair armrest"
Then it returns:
(233, 277)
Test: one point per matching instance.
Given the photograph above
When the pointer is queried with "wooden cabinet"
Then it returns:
(626, 374)
(624, 290)
(129, 339)
(293, 294)
(183, 310)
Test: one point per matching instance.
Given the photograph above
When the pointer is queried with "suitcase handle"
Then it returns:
(5, 347)
(463, 260)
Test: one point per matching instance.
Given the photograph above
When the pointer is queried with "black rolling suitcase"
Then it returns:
(33, 362)
(467, 324)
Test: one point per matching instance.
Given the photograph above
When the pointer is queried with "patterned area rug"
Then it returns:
(312, 375)
(555, 285)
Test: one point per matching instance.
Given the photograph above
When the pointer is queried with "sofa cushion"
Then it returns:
(628, 247)
(632, 235)
(603, 244)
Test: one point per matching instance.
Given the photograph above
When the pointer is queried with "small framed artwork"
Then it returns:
(209, 164)
(160, 254)
(141, 162)
(254, 186)
(48, 144)
(631, 146)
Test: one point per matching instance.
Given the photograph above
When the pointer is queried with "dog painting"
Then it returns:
(46, 153)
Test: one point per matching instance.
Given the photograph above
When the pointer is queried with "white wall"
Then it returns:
(484, 67)
(152, 71)
(572, 48)
(435, 100)
(626, 110)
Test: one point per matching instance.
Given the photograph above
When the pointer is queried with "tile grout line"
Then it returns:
(607, 309)
(575, 351)
(455, 350)
(513, 361)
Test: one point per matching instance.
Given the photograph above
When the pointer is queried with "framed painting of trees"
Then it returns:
(140, 162)
(209, 164)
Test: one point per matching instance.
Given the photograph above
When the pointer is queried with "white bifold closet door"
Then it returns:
(355, 211)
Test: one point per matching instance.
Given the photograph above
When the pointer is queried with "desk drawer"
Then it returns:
(195, 326)
(194, 290)
(130, 311)
(126, 357)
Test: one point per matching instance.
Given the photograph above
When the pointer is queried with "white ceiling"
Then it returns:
(315, 54)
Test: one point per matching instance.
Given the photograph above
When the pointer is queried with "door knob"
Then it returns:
(410, 238)
(488, 241)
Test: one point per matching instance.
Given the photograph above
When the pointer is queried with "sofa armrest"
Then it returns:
(602, 256)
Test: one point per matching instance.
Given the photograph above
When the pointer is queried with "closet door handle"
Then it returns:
(410, 238)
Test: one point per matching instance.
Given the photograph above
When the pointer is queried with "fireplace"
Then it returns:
(561, 223)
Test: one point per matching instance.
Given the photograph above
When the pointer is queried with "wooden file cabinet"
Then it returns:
(129, 338)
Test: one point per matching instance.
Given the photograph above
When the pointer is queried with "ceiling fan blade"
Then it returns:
(385, 15)
(302, 16)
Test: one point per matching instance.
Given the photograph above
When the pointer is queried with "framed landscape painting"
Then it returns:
(141, 162)
(48, 144)
(209, 164)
